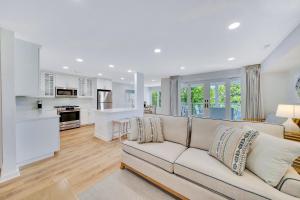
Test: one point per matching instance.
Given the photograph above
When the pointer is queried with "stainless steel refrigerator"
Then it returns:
(104, 99)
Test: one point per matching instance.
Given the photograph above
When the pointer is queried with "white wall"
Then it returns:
(286, 54)
(279, 73)
(119, 95)
(294, 74)
(279, 88)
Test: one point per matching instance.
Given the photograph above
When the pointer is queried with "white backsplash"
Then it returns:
(30, 103)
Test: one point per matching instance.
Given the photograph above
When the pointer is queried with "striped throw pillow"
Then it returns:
(231, 146)
(149, 129)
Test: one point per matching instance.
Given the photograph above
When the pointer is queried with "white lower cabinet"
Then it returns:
(87, 116)
(83, 116)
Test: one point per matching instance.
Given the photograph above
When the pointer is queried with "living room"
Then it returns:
(150, 100)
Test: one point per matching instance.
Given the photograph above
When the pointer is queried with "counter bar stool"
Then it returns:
(123, 125)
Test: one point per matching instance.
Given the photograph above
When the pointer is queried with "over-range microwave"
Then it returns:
(65, 92)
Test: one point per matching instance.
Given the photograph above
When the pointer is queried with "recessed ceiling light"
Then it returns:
(231, 59)
(79, 59)
(100, 74)
(182, 67)
(153, 80)
(129, 71)
(157, 50)
(122, 78)
(65, 67)
(234, 25)
(111, 66)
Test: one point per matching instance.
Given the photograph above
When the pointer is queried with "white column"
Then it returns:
(139, 92)
(227, 100)
(165, 96)
(8, 106)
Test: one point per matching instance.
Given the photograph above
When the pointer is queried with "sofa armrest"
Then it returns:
(290, 183)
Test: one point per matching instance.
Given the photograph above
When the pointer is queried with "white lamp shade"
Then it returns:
(297, 111)
(286, 111)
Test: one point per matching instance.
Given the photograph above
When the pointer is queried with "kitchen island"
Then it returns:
(104, 118)
(37, 135)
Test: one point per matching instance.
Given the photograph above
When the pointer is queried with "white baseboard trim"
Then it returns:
(9, 176)
(101, 137)
(42, 157)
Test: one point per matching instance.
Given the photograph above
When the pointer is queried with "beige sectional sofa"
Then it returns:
(181, 165)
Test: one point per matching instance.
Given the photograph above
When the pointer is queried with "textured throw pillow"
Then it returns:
(231, 146)
(149, 129)
(133, 131)
(270, 157)
(156, 126)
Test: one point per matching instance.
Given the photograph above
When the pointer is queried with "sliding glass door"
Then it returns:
(217, 99)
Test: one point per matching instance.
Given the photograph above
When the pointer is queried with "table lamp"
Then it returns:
(290, 112)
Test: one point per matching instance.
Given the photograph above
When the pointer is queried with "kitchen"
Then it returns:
(48, 102)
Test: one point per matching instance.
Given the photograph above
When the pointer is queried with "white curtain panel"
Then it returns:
(174, 97)
(253, 108)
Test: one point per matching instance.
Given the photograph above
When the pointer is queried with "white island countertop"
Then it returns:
(117, 110)
(35, 115)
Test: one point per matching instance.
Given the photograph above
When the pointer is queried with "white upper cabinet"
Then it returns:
(104, 84)
(49, 81)
(85, 87)
(27, 68)
(66, 81)
(47, 84)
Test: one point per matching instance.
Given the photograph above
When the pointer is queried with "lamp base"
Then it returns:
(290, 126)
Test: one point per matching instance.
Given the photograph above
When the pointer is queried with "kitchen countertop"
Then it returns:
(35, 115)
(116, 110)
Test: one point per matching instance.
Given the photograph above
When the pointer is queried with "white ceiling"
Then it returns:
(191, 33)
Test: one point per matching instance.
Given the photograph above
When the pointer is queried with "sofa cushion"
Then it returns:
(197, 166)
(271, 157)
(203, 130)
(290, 183)
(175, 129)
(231, 146)
(162, 155)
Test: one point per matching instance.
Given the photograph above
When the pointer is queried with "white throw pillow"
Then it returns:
(270, 157)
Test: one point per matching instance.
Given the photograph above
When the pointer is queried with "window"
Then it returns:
(216, 99)
(156, 98)
(184, 101)
(197, 93)
(235, 99)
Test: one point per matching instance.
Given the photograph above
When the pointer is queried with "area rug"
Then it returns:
(124, 185)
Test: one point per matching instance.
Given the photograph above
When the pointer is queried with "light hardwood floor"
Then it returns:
(82, 161)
